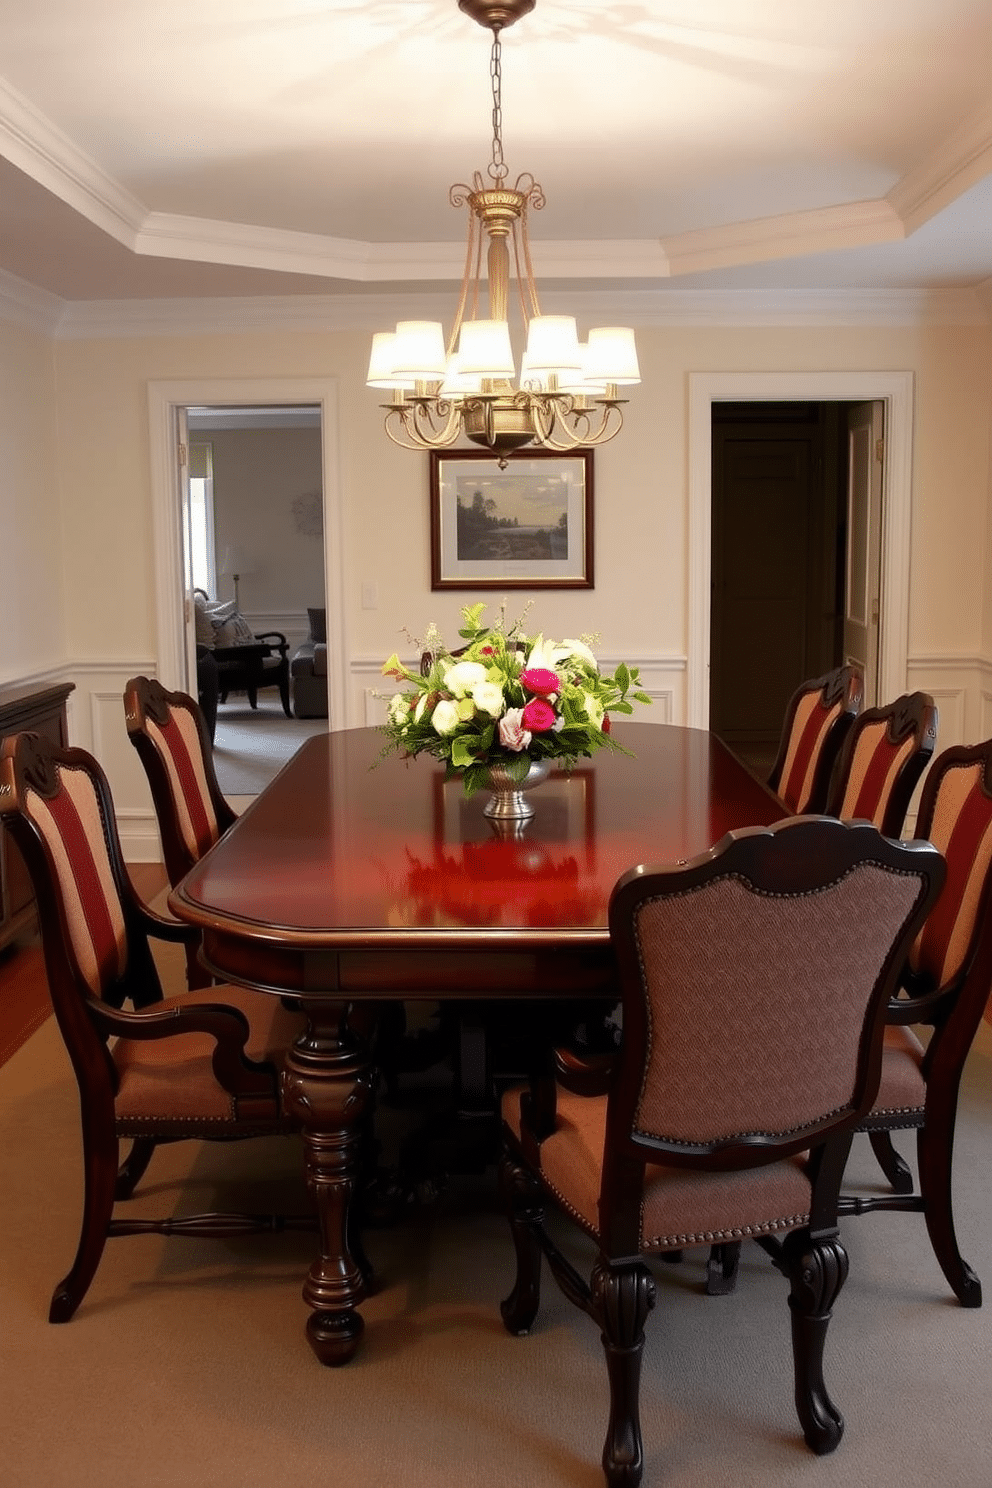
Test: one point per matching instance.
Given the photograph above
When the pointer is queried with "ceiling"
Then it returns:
(254, 148)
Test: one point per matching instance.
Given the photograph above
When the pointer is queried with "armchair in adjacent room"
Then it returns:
(308, 669)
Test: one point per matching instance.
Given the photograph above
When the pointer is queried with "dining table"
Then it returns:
(358, 876)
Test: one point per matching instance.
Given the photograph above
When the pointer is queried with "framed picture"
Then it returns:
(526, 526)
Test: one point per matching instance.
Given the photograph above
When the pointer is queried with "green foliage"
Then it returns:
(490, 705)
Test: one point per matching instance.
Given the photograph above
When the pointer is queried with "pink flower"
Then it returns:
(541, 682)
(512, 734)
(539, 716)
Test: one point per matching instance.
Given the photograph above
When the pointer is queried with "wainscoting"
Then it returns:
(961, 686)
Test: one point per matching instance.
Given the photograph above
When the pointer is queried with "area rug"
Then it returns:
(251, 745)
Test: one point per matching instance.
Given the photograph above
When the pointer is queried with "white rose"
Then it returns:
(421, 707)
(512, 734)
(461, 678)
(488, 698)
(445, 717)
(399, 708)
(581, 652)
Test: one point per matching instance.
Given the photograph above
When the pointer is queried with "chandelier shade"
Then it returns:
(567, 394)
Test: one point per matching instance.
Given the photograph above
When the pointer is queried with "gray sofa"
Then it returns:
(308, 669)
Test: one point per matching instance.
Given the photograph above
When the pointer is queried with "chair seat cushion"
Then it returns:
(902, 1089)
(172, 1079)
(680, 1207)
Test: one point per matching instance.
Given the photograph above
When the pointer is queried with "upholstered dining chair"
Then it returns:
(946, 987)
(886, 752)
(169, 732)
(755, 982)
(202, 1065)
(817, 722)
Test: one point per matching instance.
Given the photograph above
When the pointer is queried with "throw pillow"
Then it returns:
(232, 629)
(318, 625)
(206, 614)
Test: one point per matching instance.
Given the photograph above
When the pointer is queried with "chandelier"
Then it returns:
(566, 394)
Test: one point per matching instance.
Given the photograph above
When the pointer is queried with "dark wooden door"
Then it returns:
(774, 607)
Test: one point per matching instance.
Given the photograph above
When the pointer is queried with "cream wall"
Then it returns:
(639, 604)
(32, 629)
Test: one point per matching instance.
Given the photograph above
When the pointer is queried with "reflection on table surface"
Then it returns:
(347, 841)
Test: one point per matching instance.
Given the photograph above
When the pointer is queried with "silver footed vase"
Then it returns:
(507, 801)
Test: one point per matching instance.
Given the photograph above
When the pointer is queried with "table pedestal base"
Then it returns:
(328, 1087)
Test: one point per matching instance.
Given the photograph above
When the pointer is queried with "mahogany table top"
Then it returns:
(346, 849)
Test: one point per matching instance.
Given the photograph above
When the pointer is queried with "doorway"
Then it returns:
(167, 403)
(796, 505)
(254, 532)
(895, 391)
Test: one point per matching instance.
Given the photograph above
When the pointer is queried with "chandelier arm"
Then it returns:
(531, 283)
(406, 427)
(437, 421)
(610, 424)
(522, 289)
(466, 281)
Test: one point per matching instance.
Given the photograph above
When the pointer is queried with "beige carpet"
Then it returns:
(251, 745)
(187, 1364)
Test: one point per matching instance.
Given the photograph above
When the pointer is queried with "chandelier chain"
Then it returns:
(497, 166)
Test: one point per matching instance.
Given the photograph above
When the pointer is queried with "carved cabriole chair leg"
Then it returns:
(817, 1270)
(935, 1146)
(132, 1169)
(100, 1153)
(622, 1297)
(522, 1196)
(896, 1170)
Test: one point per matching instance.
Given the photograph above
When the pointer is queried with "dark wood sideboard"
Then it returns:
(42, 710)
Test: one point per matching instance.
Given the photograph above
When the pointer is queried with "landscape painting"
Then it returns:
(524, 525)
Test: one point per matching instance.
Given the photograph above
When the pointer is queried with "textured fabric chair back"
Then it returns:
(956, 816)
(886, 752)
(65, 802)
(169, 733)
(750, 978)
(817, 721)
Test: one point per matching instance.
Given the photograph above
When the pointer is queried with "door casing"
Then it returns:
(895, 389)
(164, 401)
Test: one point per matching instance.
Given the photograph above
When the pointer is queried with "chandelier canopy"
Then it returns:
(566, 394)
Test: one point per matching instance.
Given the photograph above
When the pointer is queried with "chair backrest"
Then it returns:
(57, 804)
(817, 722)
(886, 752)
(170, 734)
(953, 952)
(755, 983)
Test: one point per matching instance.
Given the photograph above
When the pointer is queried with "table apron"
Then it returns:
(412, 973)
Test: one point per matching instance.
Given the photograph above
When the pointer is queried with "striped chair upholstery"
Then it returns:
(881, 762)
(817, 722)
(201, 1065)
(947, 987)
(755, 982)
(170, 734)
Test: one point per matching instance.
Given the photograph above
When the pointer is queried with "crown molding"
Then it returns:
(792, 235)
(37, 147)
(25, 305)
(959, 163)
(102, 319)
(29, 140)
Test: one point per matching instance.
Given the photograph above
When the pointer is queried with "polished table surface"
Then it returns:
(354, 876)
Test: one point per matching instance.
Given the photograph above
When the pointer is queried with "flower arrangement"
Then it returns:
(506, 699)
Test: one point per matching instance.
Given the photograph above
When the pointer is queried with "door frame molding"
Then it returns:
(895, 389)
(164, 398)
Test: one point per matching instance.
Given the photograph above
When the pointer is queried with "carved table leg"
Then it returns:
(327, 1086)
